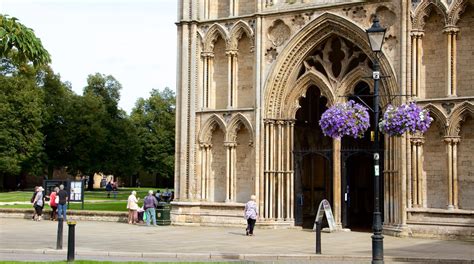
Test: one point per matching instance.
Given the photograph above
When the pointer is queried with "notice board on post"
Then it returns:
(76, 191)
(324, 208)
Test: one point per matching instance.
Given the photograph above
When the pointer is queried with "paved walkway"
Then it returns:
(119, 241)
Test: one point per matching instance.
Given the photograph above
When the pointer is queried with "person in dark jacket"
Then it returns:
(62, 206)
(149, 204)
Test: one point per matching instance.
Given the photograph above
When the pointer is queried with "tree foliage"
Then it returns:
(20, 42)
(155, 119)
(21, 111)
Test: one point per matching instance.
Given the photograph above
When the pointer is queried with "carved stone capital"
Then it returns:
(231, 52)
(452, 140)
(230, 144)
(417, 140)
(207, 54)
(417, 33)
(453, 30)
(269, 121)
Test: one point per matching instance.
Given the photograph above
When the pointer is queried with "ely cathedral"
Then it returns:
(255, 76)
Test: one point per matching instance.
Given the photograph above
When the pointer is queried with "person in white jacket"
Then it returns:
(132, 206)
(250, 214)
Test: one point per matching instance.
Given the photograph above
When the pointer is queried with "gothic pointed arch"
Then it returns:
(235, 125)
(350, 80)
(455, 11)
(215, 31)
(424, 9)
(240, 28)
(458, 116)
(440, 119)
(212, 123)
(311, 77)
(284, 71)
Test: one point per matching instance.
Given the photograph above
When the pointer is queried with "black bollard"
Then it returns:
(318, 237)
(71, 247)
(59, 240)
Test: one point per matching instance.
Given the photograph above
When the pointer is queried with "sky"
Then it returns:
(132, 40)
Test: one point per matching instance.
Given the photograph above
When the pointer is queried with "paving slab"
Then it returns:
(139, 242)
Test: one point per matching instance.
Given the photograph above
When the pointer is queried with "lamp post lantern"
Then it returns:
(376, 35)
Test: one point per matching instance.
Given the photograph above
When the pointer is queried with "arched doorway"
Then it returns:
(357, 170)
(312, 155)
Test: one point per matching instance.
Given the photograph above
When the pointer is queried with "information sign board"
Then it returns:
(325, 209)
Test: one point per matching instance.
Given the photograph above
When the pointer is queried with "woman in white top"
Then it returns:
(250, 214)
(132, 206)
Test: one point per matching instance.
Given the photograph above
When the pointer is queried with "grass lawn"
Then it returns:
(93, 200)
(96, 206)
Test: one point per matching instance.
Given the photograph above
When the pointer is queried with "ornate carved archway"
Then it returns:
(286, 84)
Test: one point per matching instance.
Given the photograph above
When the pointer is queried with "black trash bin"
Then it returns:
(163, 214)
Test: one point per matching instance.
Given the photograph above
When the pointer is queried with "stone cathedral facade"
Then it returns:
(254, 77)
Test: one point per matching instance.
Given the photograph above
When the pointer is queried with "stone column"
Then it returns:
(231, 66)
(279, 163)
(270, 170)
(418, 185)
(230, 171)
(203, 171)
(292, 170)
(416, 54)
(207, 75)
(336, 157)
(451, 146)
(451, 33)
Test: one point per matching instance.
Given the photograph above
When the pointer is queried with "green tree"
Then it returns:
(21, 139)
(58, 118)
(155, 119)
(20, 42)
(120, 151)
(107, 88)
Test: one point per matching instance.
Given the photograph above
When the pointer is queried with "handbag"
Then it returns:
(56, 200)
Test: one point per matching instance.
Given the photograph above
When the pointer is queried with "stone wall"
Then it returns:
(245, 80)
(465, 54)
(466, 166)
(71, 215)
(218, 165)
(434, 164)
(434, 58)
(219, 79)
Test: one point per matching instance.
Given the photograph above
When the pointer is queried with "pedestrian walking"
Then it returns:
(108, 189)
(132, 206)
(149, 205)
(62, 203)
(250, 214)
(38, 203)
(115, 189)
(53, 203)
(35, 190)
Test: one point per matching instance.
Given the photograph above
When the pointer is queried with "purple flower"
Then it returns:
(405, 118)
(342, 119)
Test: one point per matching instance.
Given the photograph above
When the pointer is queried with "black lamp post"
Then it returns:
(376, 35)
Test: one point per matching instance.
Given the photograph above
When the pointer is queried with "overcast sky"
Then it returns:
(133, 40)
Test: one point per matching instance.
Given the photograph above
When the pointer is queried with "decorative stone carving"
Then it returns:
(279, 32)
(335, 59)
(424, 9)
(386, 16)
(299, 20)
(271, 54)
(390, 42)
(447, 107)
(455, 14)
(357, 12)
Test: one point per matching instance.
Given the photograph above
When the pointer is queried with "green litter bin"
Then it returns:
(163, 214)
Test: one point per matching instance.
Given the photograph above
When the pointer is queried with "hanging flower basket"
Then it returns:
(405, 118)
(345, 119)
